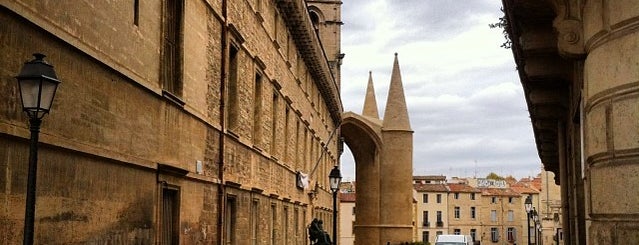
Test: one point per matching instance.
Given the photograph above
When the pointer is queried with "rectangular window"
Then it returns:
(493, 200)
(353, 210)
(472, 196)
(258, 4)
(473, 215)
(285, 230)
(457, 231)
(510, 199)
(287, 112)
(456, 195)
(425, 236)
(273, 224)
(425, 219)
(257, 109)
(512, 234)
(136, 12)
(276, 22)
(171, 55)
(255, 213)
(439, 233)
(494, 234)
(425, 198)
(297, 143)
(296, 224)
(305, 231)
(511, 215)
(170, 233)
(493, 215)
(440, 223)
(304, 155)
(232, 95)
(457, 212)
(276, 101)
(439, 198)
(230, 220)
(473, 234)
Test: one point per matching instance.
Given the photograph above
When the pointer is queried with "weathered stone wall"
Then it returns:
(611, 108)
(465, 222)
(111, 132)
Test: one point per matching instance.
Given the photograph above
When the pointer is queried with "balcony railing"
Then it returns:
(440, 224)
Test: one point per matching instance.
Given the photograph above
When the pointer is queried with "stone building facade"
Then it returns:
(464, 209)
(501, 212)
(212, 110)
(578, 66)
(432, 206)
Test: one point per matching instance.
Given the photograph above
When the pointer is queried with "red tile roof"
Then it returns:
(522, 189)
(462, 188)
(430, 187)
(347, 197)
(430, 177)
(499, 192)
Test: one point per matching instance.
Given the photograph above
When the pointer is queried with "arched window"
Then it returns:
(315, 19)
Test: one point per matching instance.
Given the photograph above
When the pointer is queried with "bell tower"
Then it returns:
(383, 153)
(326, 16)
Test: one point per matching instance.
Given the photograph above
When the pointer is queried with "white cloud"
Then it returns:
(463, 94)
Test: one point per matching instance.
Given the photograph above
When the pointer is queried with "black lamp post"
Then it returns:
(528, 206)
(535, 217)
(38, 83)
(335, 178)
(556, 220)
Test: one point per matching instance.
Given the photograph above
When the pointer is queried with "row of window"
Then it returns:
(457, 214)
(511, 234)
(277, 229)
(439, 197)
(299, 146)
(171, 74)
(279, 224)
(472, 196)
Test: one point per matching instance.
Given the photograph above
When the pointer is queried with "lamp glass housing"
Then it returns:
(38, 84)
(335, 178)
(528, 204)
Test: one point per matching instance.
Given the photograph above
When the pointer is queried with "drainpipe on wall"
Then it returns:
(220, 186)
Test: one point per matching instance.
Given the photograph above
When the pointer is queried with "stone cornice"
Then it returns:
(295, 15)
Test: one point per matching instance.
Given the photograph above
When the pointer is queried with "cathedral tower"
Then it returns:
(326, 16)
(397, 164)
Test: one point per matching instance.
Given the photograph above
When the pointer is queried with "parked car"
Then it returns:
(454, 240)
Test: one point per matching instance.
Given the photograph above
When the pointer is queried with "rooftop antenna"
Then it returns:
(475, 174)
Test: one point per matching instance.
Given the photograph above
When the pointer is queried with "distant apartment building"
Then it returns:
(490, 211)
(432, 206)
(464, 202)
(550, 210)
(346, 218)
(500, 214)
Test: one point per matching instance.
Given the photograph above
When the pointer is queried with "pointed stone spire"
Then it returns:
(370, 103)
(396, 113)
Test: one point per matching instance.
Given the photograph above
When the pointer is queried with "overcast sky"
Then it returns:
(464, 98)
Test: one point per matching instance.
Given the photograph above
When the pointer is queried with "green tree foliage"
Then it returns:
(503, 24)
(494, 176)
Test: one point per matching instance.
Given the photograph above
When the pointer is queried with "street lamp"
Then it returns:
(535, 218)
(528, 206)
(38, 83)
(556, 220)
(335, 178)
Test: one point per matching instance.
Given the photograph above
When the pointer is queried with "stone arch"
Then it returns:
(316, 15)
(363, 137)
(383, 152)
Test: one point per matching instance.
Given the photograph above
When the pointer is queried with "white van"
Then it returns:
(454, 240)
